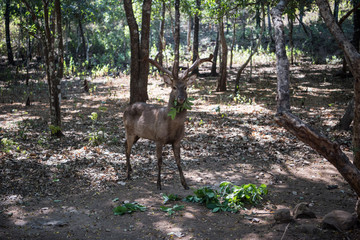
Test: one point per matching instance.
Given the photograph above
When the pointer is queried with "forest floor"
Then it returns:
(67, 188)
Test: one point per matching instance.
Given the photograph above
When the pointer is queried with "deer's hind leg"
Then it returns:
(129, 142)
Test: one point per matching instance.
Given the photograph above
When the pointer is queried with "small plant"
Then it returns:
(180, 107)
(9, 145)
(54, 129)
(172, 210)
(170, 197)
(129, 208)
(96, 136)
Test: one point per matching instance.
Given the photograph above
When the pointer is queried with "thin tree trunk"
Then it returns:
(253, 51)
(291, 42)
(336, 10)
(189, 33)
(176, 39)
(82, 35)
(196, 37)
(222, 80)
(346, 120)
(7, 32)
(161, 34)
(232, 43)
(216, 52)
(356, 19)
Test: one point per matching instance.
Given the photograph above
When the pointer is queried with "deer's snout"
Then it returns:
(181, 99)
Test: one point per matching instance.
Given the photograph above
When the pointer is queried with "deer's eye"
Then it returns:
(185, 88)
(174, 88)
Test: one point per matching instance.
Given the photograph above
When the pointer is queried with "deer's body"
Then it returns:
(147, 121)
(160, 128)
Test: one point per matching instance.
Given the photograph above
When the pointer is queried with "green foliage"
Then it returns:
(172, 210)
(129, 208)
(180, 107)
(170, 197)
(9, 145)
(54, 129)
(231, 198)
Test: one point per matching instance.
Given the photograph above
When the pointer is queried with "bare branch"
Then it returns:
(348, 14)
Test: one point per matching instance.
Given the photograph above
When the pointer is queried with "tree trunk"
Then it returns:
(348, 117)
(336, 10)
(352, 57)
(161, 34)
(7, 31)
(216, 52)
(331, 151)
(232, 43)
(188, 37)
(139, 67)
(196, 37)
(356, 19)
(175, 69)
(221, 86)
(291, 42)
(82, 35)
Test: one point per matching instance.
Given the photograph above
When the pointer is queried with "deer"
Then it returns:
(142, 120)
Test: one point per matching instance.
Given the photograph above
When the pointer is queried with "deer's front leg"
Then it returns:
(159, 148)
(176, 149)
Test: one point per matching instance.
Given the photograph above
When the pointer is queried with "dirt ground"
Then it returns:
(67, 188)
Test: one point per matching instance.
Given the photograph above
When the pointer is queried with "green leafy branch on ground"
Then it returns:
(129, 208)
(231, 197)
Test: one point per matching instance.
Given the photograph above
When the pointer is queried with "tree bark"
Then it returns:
(161, 34)
(282, 65)
(216, 52)
(196, 37)
(7, 32)
(175, 69)
(139, 66)
(188, 37)
(222, 80)
(82, 35)
(232, 43)
(356, 20)
(336, 10)
(291, 42)
(347, 118)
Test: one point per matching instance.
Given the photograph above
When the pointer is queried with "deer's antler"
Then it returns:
(161, 68)
(196, 64)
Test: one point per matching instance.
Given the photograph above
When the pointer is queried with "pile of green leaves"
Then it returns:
(231, 198)
(129, 208)
(171, 198)
(180, 107)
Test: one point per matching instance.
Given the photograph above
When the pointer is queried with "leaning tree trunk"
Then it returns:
(221, 85)
(347, 118)
(7, 31)
(352, 57)
(232, 43)
(139, 66)
(330, 150)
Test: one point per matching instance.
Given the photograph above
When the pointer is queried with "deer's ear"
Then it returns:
(191, 80)
(167, 79)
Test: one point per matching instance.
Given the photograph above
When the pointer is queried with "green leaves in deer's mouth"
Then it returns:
(180, 107)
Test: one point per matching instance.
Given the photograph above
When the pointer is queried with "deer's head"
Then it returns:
(179, 84)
